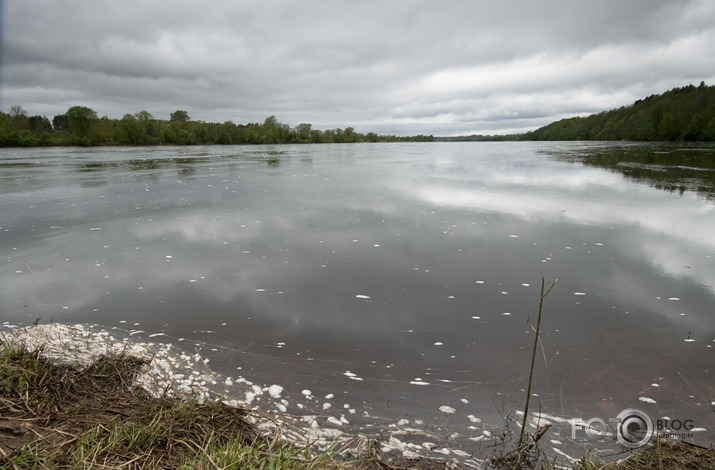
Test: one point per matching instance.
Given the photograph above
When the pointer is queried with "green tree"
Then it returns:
(179, 116)
(274, 132)
(304, 133)
(19, 117)
(5, 123)
(144, 116)
(131, 130)
(81, 119)
(61, 123)
(668, 128)
(695, 129)
(349, 135)
(26, 139)
(39, 124)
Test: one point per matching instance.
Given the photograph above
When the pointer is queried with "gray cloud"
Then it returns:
(400, 67)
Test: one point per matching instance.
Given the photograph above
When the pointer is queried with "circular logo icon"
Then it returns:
(634, 428)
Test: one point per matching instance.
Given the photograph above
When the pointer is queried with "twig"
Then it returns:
(541, 345)
(533, 356)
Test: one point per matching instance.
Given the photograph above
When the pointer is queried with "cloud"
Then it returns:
(393, 67)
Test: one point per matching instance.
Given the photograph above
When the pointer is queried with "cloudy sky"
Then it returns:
(400, 67)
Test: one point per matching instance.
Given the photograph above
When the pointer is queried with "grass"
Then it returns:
(69, 418)
(62, 417)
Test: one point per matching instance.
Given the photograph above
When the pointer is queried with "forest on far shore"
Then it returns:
(80, 125)
(680, 114)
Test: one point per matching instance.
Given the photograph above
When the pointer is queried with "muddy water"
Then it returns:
(399, 280)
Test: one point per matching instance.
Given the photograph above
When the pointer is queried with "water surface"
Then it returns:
(398, 278)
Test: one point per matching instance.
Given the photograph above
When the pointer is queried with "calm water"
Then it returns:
(397, 277)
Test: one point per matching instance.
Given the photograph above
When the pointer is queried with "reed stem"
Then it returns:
(533, 356)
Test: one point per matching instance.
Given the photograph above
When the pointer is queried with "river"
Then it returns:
(401, 281)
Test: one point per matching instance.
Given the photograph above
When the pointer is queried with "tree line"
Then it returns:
(680, 114)
(81, 125)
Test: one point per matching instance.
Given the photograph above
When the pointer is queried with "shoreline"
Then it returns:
(80, 347)
(173, 373)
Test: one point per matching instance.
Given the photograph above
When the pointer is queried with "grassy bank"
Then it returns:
(58, 416)
(55, 416)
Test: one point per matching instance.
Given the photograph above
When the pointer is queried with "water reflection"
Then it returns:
(392, 262)
(669, 167)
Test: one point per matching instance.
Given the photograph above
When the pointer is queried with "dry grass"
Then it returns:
(661, 454)
(75, 418)
(69, 418)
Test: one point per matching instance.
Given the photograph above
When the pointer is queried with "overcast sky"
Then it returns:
(400, 67)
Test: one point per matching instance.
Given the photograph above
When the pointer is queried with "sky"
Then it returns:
(401, 67)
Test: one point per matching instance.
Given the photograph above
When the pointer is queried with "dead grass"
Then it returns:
(62, 417)
(661, 454)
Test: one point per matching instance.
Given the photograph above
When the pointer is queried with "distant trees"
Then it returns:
(686, 113)
(81, 119)
(61, 123)
(179, 116)
(80, 125)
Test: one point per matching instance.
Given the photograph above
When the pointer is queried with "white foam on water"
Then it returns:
(186, 375)
(351, 375)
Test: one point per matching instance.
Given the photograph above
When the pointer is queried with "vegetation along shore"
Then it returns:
(99, 413)
(681, 114)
